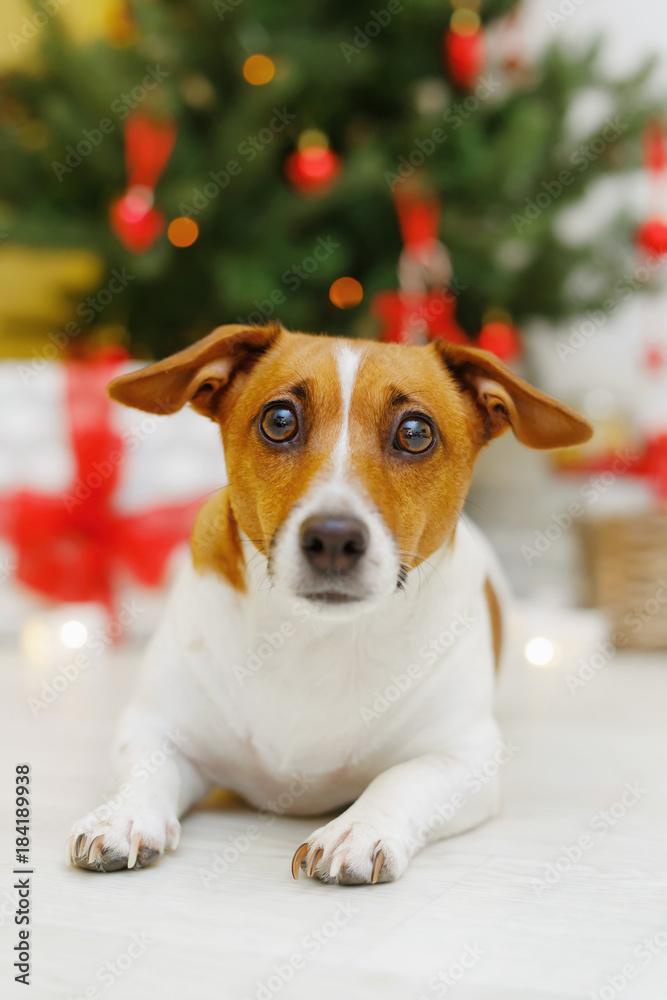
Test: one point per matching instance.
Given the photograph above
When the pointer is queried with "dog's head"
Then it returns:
(348, 461)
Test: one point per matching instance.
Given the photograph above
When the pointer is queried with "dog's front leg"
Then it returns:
(405, 807)
(156, 785)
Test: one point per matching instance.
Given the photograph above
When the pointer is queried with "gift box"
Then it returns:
(96, 500)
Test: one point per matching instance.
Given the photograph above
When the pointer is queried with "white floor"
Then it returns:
(480, 917)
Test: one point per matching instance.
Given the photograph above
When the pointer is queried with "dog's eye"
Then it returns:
(414, 435)
(279, 423)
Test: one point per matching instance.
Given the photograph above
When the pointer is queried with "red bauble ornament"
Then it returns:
(148, 146)
(464, 56)
(652, 237)
(500, 339)
(312, 170)
(135, 221)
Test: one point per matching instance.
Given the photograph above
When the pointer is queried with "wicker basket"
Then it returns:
(625, 560)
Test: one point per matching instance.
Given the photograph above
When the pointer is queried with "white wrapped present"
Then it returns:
(93, 496)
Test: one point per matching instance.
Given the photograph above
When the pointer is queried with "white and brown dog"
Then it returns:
(333, 567)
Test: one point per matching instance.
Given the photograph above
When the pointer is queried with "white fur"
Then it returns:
(385, 702)
(348, 361)
(336, 492)
(289, 724)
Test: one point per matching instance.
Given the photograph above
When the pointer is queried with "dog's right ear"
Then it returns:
(197, 374)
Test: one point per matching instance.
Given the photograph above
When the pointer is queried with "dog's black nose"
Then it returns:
(333, 544)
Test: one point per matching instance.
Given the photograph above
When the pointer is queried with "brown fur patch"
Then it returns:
(266, 480)
(233, 374)
(419, 497)
(216, 545)
(496, 620)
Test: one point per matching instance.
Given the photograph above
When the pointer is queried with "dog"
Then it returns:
(331, 644)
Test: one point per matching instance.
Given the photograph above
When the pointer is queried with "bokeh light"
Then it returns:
(346, 293)
(313, 138)
(259, 70)
(74, 634)
(465, 22)
(539, 651)
(182, 232)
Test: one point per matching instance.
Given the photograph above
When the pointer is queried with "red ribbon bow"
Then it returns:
(76, 546)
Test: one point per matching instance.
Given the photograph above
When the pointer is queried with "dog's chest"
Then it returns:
(296, 694)
(270, 689)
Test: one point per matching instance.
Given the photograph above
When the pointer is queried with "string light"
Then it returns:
(182, 232)
(539, 651)
(259, 70)
(74, 634)
(313, 138)
(465, 22)
(346, 293)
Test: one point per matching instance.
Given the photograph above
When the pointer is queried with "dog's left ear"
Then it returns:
(504, 400)
(197, 374)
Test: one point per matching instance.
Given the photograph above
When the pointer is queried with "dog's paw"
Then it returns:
(351, 852)
(123, 840)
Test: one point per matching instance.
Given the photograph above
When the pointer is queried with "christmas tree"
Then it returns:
(232, 160)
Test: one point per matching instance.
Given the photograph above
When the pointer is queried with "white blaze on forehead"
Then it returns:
(348, 360)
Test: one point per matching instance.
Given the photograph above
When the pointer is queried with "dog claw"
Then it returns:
(378, 861)
(314, 861)
(135, 844)
(81, 839)
(299, 855)
(95, 850)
